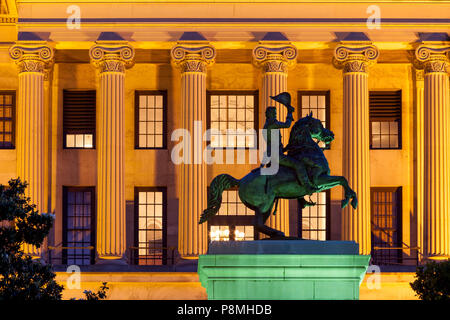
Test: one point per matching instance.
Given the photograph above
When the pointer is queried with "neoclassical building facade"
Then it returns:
(93, 95)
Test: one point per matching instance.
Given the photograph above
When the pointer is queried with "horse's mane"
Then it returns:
(298, 130)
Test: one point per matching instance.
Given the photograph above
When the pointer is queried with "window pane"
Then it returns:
(88, 143)
(78, 216)
(376, 127)
(150, 228)
(233, 112)
(151, 122)
(70, 140)
(312, 220)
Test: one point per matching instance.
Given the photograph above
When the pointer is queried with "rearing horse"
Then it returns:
(260, 192)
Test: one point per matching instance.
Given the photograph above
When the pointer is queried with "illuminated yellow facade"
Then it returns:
(193, 49)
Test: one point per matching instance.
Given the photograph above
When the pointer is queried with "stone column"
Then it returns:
(354, 59)
(436, 170)
(33, 61)
(193, 59)
(111, 60)
(418, 77)
(274, 59)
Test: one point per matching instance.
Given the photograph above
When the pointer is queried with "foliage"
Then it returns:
(100, 295)
(21, 277)
(433, 281)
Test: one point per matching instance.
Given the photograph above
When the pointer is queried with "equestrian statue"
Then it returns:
(303, 170)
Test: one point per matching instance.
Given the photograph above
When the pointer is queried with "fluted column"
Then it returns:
(436, 203)
(354, 59)
(193, 60)
(274, 61)
(32, 60)
(111, 61)
(419, 124)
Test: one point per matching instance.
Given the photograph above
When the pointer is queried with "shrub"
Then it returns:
(21, 277)
(433, 281)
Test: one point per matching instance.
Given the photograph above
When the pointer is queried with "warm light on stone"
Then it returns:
(111, 61)
(192, 60)
(436, 170)
(32, 60)
(354, 59)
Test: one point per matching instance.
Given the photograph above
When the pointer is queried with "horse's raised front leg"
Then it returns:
(326, 182)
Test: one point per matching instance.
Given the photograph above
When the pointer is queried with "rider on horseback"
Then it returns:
(299, 166)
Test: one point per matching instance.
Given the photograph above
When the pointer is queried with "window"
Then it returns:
(78, 225)
(317, 102)
(236, 112)
(233, 222)
(79, 119)
(7, 119)
(385, 119)
(151, 119)
(313, 222)
(150, 226)
(386, 225)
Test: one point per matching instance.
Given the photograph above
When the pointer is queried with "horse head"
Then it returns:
(310, 127)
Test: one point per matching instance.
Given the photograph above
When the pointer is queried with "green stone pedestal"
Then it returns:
(282, 270)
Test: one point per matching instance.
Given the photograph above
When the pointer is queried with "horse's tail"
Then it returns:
(218, 185)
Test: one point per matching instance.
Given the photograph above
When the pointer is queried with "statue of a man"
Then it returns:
(273, 124)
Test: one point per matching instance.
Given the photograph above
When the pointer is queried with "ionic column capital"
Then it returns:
(355, 57)
(32, 57)
(275, 57)
(193, 57)
(433, 58)
(112, 57)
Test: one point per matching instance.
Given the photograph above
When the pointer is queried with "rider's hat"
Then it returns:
(284, 98)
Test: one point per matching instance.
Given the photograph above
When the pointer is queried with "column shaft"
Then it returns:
(354, 58)
(193, 59)
(356, 223)
(30, 140)
(111, 59)
(192, 239)
(111, 173)
(33, 61)
(436, 167)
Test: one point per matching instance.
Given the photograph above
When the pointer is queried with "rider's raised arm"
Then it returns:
(285, 124)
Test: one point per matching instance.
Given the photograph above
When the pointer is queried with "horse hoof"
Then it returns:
(354, 203)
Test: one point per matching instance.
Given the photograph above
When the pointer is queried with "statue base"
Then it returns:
(282, 270)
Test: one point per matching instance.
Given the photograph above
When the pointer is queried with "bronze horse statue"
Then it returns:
(260, 192)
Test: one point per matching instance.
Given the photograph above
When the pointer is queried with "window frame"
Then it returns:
(388, 119)
(326, 93)
(399, 192)
(13, 119)
(137, 94)
(66, 190)
(232, 221)
(66, 132)
(327, 216)
(254, 93)
(136, 222)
